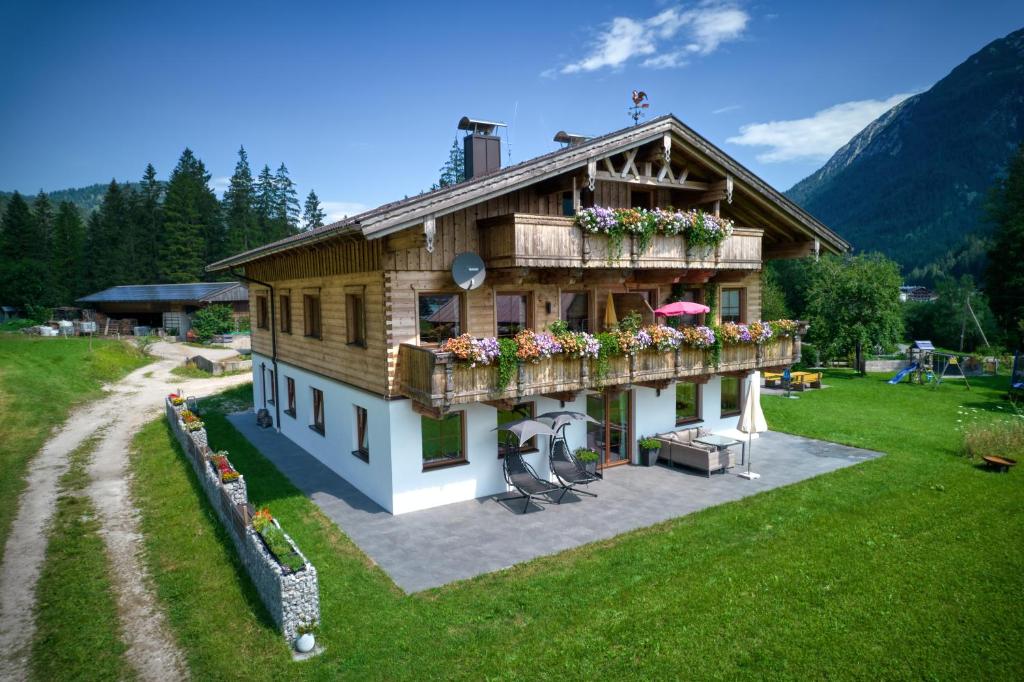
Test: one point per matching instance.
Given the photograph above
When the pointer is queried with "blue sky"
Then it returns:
(361, 101)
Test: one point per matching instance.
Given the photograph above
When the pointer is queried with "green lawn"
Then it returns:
(905, 566)
(77, 627)
(41, 379)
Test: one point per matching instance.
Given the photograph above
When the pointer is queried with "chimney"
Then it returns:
(570, 139)
(481, 146)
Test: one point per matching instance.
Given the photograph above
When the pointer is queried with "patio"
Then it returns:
(429, 548)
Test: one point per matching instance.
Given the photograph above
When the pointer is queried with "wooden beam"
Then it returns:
(653, 181)
(514, 276)
(631, 163)
(730, 276)
(697, 379)
(657, 384)
(427, 410)
(710, 196)
(562, 396)
(801, 249)
(506, 404)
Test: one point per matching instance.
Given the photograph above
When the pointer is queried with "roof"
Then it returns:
(202, 292)
(398, 215)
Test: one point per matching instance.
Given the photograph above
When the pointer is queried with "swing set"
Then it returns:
(931, 366)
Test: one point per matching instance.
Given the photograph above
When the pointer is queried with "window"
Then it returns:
(575, 310)
(568, 205)
(311, 315)
(261, 313)
(290, 384)
(732, 305)
(641, 199)
(362, 450)
(318, 412)
(269, 387)
(520, 411)
(687, 402)
(443, 441)
(513, 313)
(440, 317)
(355, 319)
(730, 396)
(286, 313)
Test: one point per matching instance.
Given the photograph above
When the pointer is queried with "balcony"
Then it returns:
(520, 240)
(435, 380)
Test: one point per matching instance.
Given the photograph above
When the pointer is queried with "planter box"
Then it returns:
(292, 599)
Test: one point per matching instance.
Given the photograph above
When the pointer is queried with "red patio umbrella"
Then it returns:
(682, 308)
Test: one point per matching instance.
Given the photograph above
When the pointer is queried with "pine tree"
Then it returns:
(265, 204)
(24, 275)
(192, 226)
(287, 209)
(239, 211)
(110, 251)
(1005, 274)
(42, 213)
(68, 255)
(454, 169)
(94, 259)
(313, 215)
(147, 223)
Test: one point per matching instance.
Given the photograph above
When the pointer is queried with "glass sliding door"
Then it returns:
(611, 437)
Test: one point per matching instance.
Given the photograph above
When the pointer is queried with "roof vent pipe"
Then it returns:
(481, 146)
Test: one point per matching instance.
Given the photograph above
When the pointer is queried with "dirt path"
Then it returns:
(130, 403)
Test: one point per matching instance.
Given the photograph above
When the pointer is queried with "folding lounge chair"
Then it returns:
(568, 470)
(523, 478)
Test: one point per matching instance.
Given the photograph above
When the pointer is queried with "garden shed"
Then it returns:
(166, 306)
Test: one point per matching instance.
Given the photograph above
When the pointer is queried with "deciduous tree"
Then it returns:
(853, 304)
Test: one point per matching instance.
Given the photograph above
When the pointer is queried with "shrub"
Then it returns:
(809, 355)
(1001, 438)
(585, 455)
(214, 319)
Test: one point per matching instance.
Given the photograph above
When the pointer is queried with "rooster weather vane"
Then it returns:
(636, 112)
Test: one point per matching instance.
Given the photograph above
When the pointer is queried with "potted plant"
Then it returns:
(306, 640)
(588, 458)
(649, 448)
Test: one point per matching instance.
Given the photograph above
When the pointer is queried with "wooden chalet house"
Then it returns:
(348, 319)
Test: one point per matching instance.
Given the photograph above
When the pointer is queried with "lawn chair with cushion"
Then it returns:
(521, 476)
(518, 473)
(568, 470)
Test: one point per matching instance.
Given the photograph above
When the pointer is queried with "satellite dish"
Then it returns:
(468, 270)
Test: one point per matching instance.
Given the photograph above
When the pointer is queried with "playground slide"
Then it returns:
(902, 373)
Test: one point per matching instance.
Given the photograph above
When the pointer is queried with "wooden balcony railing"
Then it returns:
(538, 241)
(436, 380)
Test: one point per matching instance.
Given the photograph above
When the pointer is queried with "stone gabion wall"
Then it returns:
(292, 600)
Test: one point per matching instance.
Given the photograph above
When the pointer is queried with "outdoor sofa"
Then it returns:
(679, 449)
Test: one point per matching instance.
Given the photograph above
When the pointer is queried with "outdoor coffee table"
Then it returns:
(723, 443)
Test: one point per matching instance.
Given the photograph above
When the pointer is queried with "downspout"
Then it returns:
(273, 344)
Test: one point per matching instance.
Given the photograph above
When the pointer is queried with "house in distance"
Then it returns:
(352, 322)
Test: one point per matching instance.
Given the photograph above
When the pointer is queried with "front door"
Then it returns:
(611, 437)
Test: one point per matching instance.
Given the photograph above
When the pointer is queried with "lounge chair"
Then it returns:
(568, 470)
(523, 478)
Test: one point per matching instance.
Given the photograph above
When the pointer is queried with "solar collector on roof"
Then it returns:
(197, 291)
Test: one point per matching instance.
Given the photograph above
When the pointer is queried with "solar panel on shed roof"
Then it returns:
(924, 345)
(131, 293)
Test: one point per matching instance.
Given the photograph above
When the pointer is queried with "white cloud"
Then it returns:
(816, 137)
(664, 39)
(336, 210)
(727, 108)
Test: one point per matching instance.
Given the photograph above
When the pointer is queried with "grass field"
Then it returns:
(41, 379)
(906, 566)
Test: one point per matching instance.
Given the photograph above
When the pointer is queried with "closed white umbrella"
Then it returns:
(752, 419)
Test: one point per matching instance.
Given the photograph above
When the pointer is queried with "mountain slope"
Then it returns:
(87, 199)
(913, 184)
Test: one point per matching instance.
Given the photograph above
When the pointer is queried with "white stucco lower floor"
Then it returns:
(394, 476)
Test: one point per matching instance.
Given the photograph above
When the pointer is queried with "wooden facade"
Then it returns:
(390, 273)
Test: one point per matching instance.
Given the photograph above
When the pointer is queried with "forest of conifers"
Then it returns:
(148, 232)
